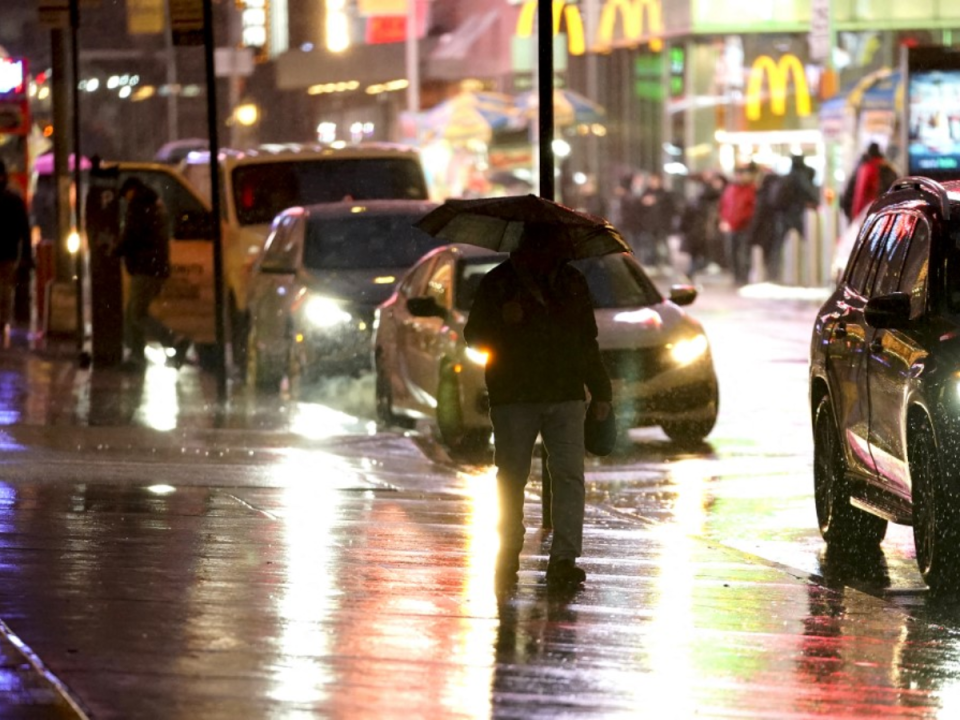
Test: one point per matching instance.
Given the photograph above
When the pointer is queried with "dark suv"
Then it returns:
(885, 382)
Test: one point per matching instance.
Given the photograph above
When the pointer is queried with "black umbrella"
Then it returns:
(497, 223)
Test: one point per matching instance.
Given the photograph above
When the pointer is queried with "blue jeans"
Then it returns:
(515, 430)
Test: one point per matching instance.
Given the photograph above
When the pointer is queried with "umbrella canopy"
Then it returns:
(569, 107)
(498, 223)
(472, 115)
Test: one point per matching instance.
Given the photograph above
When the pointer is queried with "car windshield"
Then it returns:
(364, 240)
(618, 281)
(263, 190)
(615, 281)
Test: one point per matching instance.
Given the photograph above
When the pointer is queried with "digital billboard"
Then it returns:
(933, 112)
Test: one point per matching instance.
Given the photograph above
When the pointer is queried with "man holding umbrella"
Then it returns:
(533, 315)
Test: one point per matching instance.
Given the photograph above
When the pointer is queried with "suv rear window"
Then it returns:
(263, 190)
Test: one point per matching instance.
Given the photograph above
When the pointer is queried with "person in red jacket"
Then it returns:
(874, 176)
(737, 204)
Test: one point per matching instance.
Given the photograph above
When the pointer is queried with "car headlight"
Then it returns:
(686, 351)
(322, 312)
(478, 357)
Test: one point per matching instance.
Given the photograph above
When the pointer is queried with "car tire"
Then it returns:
(260, 375)
(936, 520)
(843, 526)
(454, 435)
(693, 432)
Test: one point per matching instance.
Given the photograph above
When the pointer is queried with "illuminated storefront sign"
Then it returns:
(11, 76)
(777, 73)
(570, 14)
(641, 20)
(632, 13)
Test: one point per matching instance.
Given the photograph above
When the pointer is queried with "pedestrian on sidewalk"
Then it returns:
(658, 212)
(145, 248)
(14, 247)
(534, 317)
(737, 206)
(872, 177)
(792, 194)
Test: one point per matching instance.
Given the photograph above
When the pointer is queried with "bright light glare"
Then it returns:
(643, 316)
(561, 148)
(161, 489)
(686, 351)
(325, 313)
(478, 357)
(73, 242)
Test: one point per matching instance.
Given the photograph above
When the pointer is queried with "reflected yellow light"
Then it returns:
(384, 280)
(316, 421)
(159, 404)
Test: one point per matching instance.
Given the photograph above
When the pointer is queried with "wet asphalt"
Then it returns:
(166, 556)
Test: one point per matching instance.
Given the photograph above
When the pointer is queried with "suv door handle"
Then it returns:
(840, 330)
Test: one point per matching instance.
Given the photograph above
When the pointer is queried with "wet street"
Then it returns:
(164, 557)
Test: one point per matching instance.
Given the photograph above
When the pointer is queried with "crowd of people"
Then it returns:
(719, 219)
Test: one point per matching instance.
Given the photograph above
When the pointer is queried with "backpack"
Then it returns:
(780, 193)
(888, 176)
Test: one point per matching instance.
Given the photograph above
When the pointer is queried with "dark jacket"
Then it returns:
(551, 353)
(14, 227)
(145, 239)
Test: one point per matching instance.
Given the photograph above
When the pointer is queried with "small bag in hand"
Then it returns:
(600, 436)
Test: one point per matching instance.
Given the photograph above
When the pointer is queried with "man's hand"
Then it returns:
(600, 409)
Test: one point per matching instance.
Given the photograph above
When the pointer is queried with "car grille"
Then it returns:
(636, 363)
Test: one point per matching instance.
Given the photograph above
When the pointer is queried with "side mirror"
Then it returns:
(888, 311)
(425, 307)
(683, 294)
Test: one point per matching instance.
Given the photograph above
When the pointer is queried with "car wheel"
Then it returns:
(261, 375)
(936, 522)
(450, 417)
(693, 432)
(239, 334)
(842, 525)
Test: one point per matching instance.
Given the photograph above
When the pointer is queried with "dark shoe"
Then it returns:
(564, 573)
(180, 348)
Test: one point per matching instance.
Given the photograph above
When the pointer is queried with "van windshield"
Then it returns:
(263, 190)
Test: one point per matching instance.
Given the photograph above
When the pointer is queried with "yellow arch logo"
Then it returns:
(778, 72)
(632, 13)
(576, 44)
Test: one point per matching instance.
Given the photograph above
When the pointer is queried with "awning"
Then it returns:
(454, 56)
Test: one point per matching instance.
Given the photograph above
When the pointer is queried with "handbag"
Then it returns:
(600, 436)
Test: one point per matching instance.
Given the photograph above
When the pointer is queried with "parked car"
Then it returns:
(885, 382)
(657, 355)
(258, 184)
(313, 288)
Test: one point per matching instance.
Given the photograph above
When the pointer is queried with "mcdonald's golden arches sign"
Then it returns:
(777, 74)
(640, 20)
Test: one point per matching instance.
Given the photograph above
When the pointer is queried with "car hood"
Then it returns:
(367, 286)
(651, 326)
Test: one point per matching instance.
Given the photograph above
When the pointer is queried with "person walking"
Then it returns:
(144, 246)
(14, 247)
(790, 196)
(534, 317)
(657, 212)
(873, 177)
(737, 206)
(700, 222)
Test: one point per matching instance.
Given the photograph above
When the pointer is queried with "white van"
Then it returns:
(257, 185)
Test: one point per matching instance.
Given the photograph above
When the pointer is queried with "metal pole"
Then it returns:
(212, 127)
(77, 167)
(545, 89)
(547, 181)
(173, 130)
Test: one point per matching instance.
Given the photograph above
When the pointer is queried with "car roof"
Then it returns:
(293, 152)
(371, 207)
